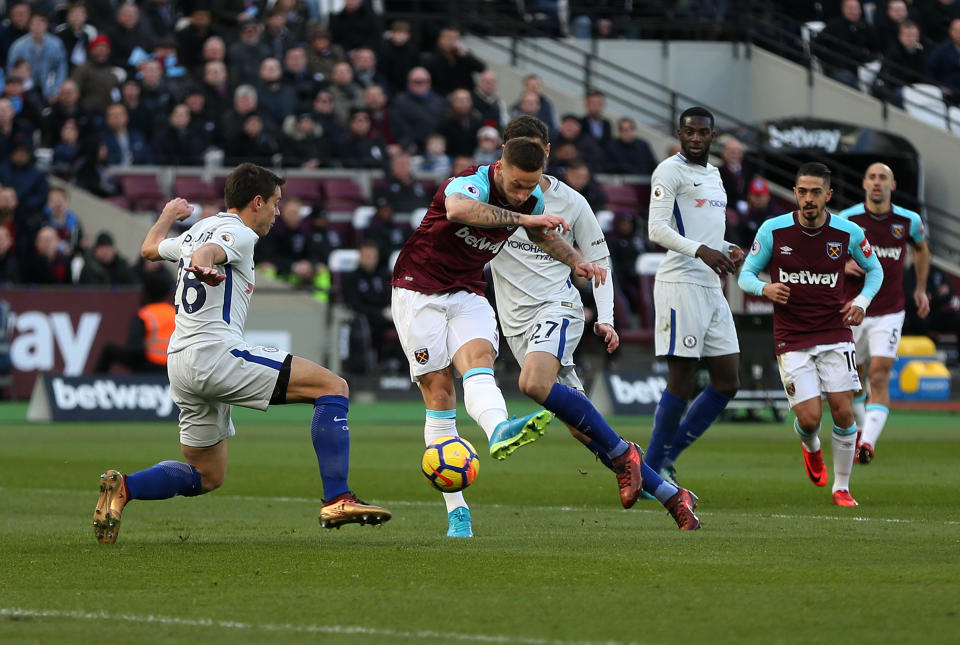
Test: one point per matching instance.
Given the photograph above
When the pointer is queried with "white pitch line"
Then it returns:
(552, 509)
(341, 630)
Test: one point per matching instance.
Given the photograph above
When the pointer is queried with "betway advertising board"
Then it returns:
(101, 397)
(629, 391)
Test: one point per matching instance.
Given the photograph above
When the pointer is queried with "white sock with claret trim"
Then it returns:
(844, 445)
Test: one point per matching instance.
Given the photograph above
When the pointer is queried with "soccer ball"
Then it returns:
(450, 463)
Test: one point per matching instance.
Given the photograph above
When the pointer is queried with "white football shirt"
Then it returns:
(525, 277)
(208, 314)
(688, 207)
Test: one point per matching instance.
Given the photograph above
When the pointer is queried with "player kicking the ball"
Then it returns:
(443, 318)
(805, 252)
(541, 314)
(211, 368)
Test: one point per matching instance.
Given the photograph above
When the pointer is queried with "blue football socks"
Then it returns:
(165, 480)
(653, 483)
(666, 419)
(331, 441)
(703, 411)
(573, 408)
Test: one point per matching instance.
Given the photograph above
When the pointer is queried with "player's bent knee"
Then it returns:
(536, 390)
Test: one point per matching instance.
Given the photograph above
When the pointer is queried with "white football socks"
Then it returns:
(844, 445)
(810, 441)
(859, 409)
(483, 399)
(872, 426)
(433, 428)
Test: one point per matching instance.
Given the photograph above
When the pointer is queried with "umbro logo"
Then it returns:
(785, 250)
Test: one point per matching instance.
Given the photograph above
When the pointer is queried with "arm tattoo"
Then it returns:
(486, 215)
(557, 248)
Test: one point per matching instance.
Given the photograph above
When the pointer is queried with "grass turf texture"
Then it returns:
(555, 558)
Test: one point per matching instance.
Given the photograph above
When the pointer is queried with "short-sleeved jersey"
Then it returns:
(525, 277)
(810, 262)
(443, 256)
(888, 235)
(208, 314)
(688, 207)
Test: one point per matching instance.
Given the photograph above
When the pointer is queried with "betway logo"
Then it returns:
(479, 243)
(104, 394)
(809, 277)
(647, 390)
(892, 252)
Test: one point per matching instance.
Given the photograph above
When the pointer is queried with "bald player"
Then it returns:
(890, 228)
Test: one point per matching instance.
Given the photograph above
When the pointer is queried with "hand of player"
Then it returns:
(922, 300)
(736, 256)
(609, 335)
(852, 268)
(777, 292)
(716, 260)
(544, 224)
(207, 275)
(178, 208)
(852, 314)
(591, 271)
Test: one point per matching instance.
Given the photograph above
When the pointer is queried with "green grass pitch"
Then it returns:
(555, 560)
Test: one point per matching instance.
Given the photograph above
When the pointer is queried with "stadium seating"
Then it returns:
(341, 261)
(309, 190)
(196, 189)
(925, 103)
(343, 194)
(143, 192)
(622, 197)
(867, 74)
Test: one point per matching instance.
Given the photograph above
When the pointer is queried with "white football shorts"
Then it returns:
(878, 336)
(692, 321)
(555, 332)
(806, 373)
(433, 326)
(206, 382)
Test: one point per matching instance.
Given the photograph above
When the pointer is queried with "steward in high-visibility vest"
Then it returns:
(158, 322)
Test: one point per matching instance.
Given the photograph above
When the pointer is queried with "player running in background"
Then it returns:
(889, 228)
(211, 368)
(805, 252)
(693, 319)
(541, 314)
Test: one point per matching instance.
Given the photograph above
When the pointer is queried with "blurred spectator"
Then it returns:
(397, 56)
(487, 151)
(366, 291)
(157, 96)
(149, 332)
(461, 124)
(944, 63)
(888, 23)
(625, 246)
(63, 220)
(419, 109)
(304, 145)
(216, 89)
(90, 170)
(581, 180)
(22, 174)
(230, 16)
(594, 124)
(488, 102)
(160, 17)
(95, 78)
(626, 154)
(298, 76)
(176, 144)
(276, 37)
(275, 99)
(285, 250)
(401, 190)
(528, 105)
(672, 150)
(192, 38)
(66, 149)
(375, 103)
(735, 175)
(9, 267)
(295, 16)
(356, 25)
(46, 265)
(165, 51)
(44, 52)
(846, 43)
(203, 122)
(75, 34)
(65, 107)
(125, 146)
(25, 107)
(588, 150)
(213, 49)
(324, 115)
(944, 314)
(138, 116)
(361, 148)
(451, 65)
(434, 159)
(562, 155)
(743, 228)
(322, 238)
(245, 102)
(384, 230)
(244, 55)
(547, 113)
(903, 64)
(459, 164)
(105, 266)
(13, 27)
(130, 38)
(254, 143)
(347, 95)
(936, 16)
(322, 55)
(365, 73)
(22, 226)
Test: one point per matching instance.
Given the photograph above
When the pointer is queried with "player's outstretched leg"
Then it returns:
(331, 442)
(443, 423)
(484, 402)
